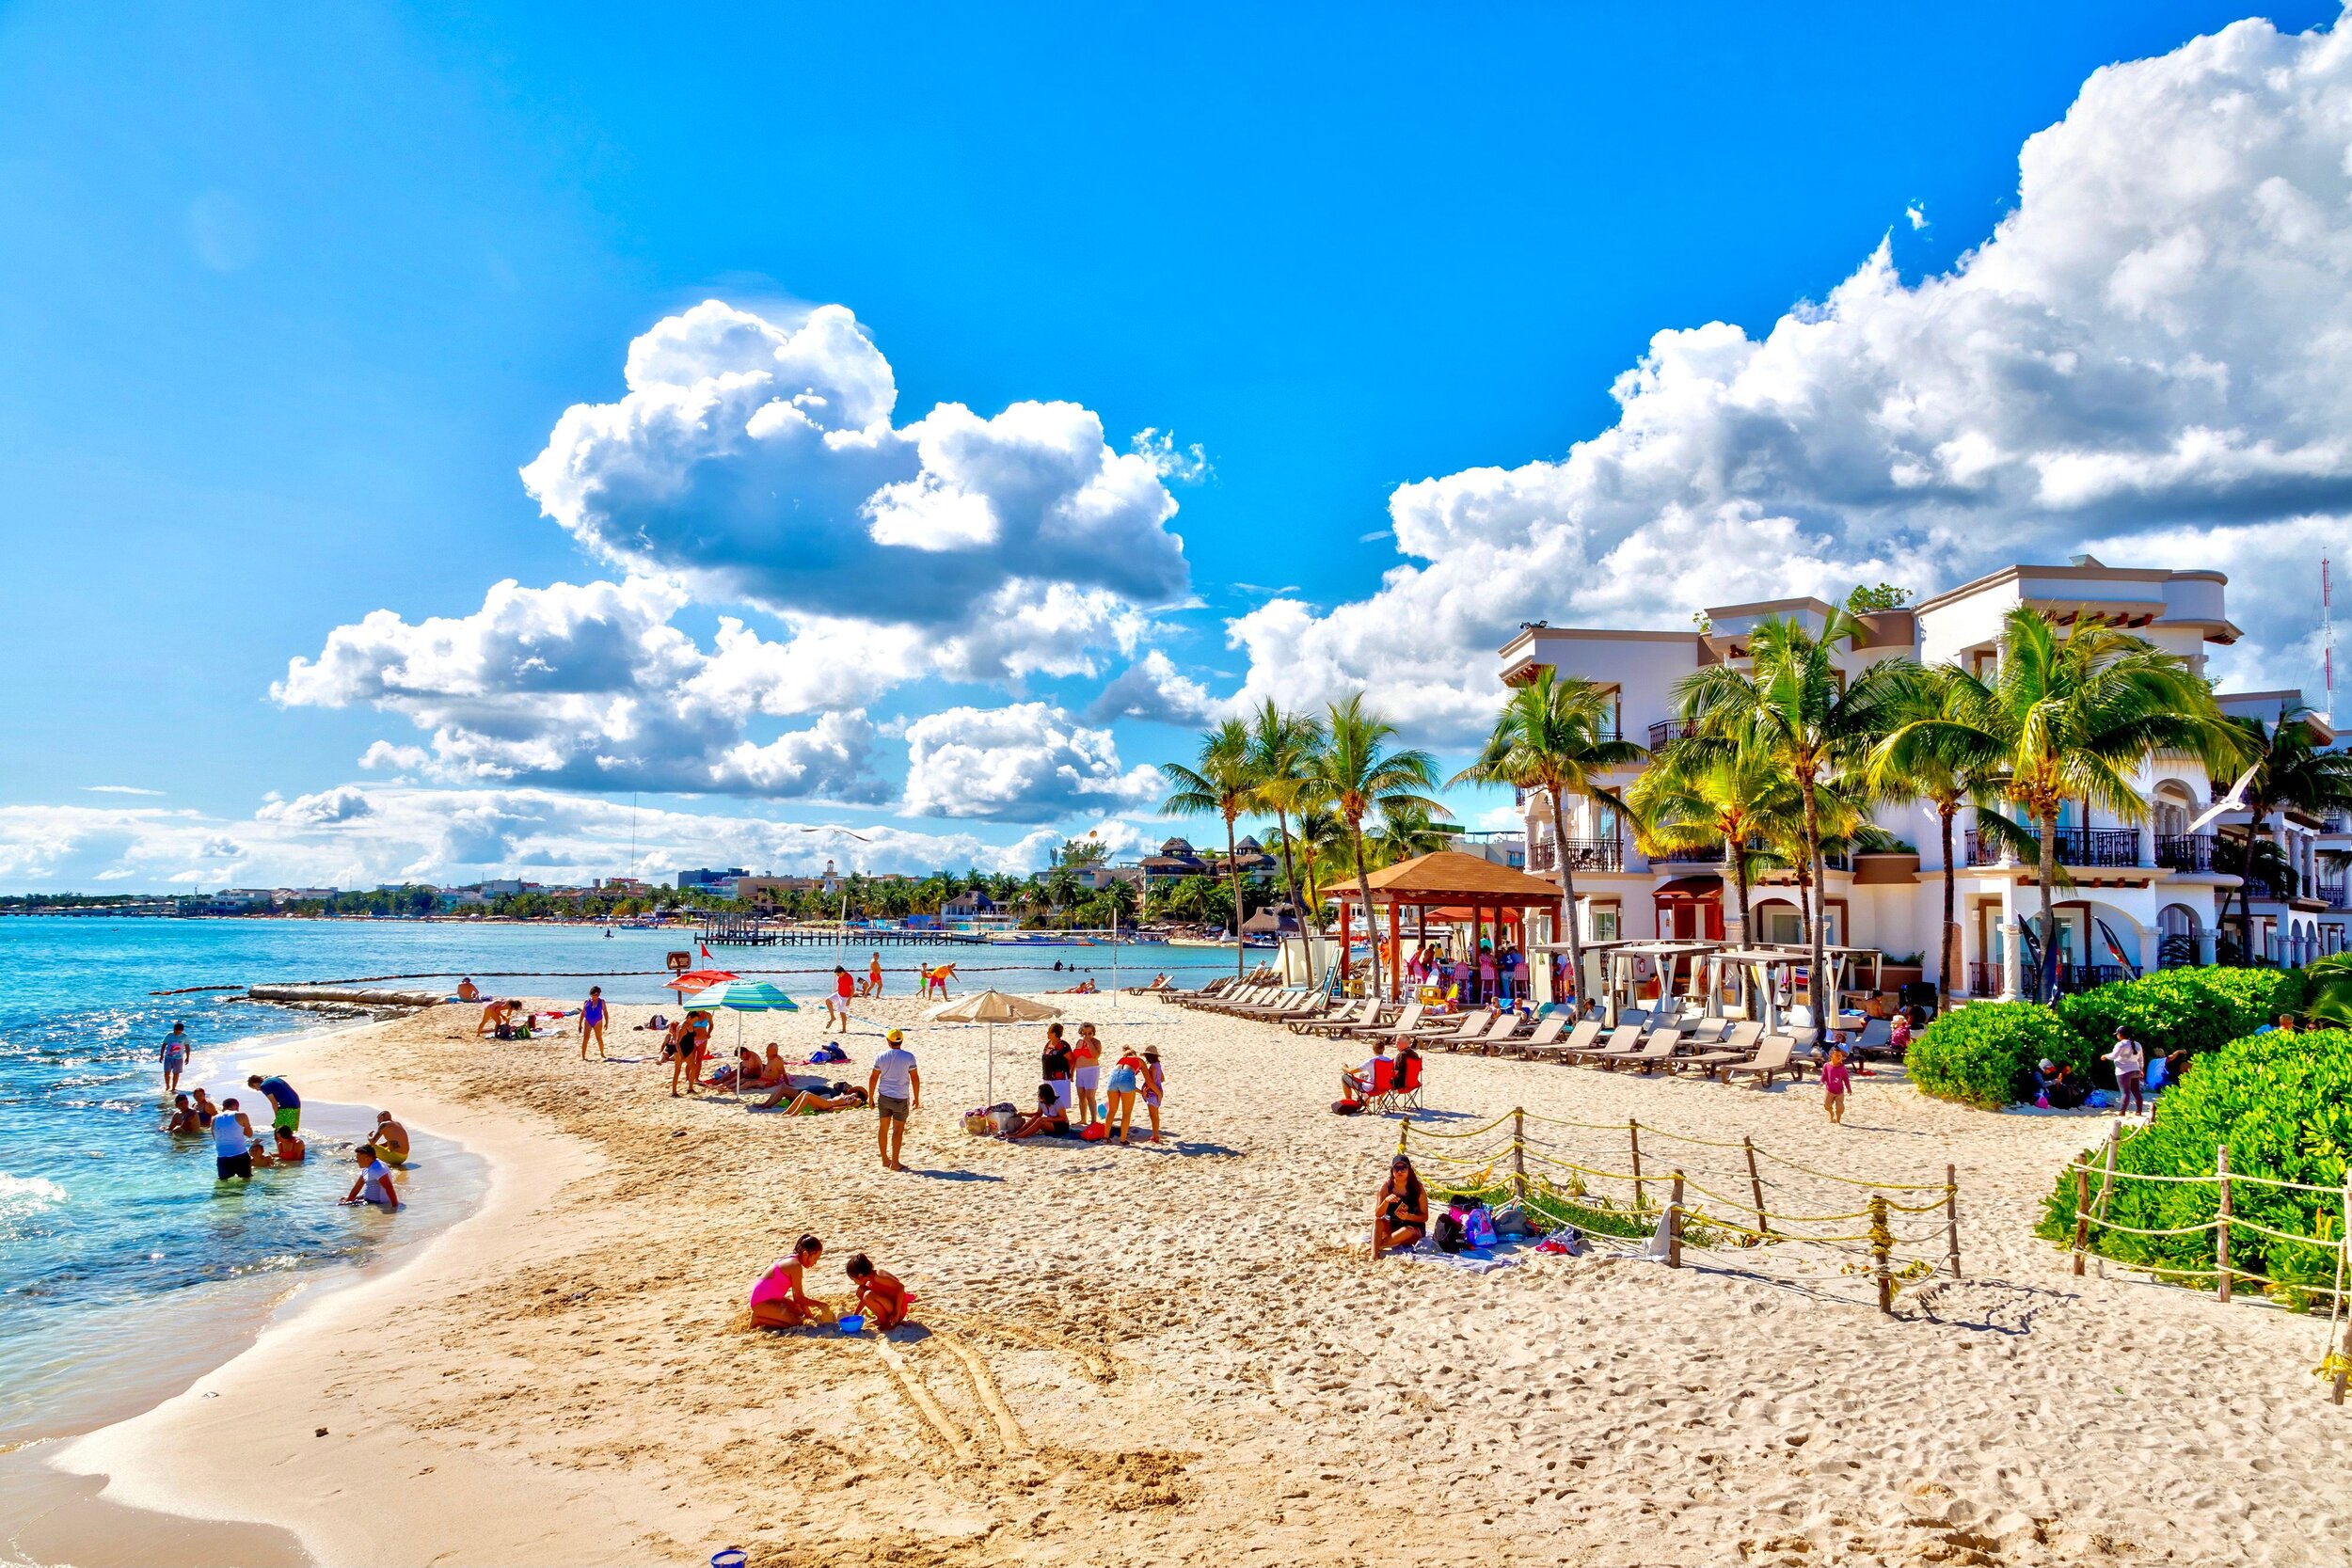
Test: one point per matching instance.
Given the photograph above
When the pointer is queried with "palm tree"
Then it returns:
(1794, 707)
(1222, 785)
(1944, 770)
(1321, 853)
(1558, 736)
(2073, 718)
(1406, 831)
(1281, 746)
(1355, 774)
(2291, 773)
(1695, 796)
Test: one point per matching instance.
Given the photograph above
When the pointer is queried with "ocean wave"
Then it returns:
(27, 1194)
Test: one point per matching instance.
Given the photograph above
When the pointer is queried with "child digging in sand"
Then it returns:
(884, 1301)
(781, 1299)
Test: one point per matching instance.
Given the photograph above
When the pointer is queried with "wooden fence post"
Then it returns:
(1755, 1190)
(2344, 1261)
(1951, 1218)
(2221, 1230)
(1518, 1153)
(2082, 1211)
(1879, 1240)
(1633, 1132)
(1674, 1225)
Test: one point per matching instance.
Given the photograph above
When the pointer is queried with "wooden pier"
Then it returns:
(743, 930)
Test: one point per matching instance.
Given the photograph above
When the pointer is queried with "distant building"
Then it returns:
(706, 878)
(503, 888)
(1177, 858)
(974, 904)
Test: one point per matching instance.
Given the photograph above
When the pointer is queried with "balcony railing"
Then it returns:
(2186, 852)
(1984, 979)
(1667, 731)
(2075, 846)
(2336, 896)
(1584, 854)
(1703, 854)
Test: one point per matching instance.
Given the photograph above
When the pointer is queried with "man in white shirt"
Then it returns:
(1359, 1085)
(2131, 1074)
(897, 1090)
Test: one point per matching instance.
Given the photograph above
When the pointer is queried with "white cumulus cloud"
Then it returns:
(2148, 357)
(1153, 689)
(758, 460)
(1026, 763)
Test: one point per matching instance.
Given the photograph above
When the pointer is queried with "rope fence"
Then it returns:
(1540, 1163)
(2210, 1240)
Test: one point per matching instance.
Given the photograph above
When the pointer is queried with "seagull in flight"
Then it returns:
(2235, 800)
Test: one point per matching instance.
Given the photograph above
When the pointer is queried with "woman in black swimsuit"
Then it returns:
(1403, 1217)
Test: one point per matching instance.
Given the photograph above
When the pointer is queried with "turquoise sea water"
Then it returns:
(117, 1248)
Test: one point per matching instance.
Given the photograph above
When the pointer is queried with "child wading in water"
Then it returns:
(1836, 1080)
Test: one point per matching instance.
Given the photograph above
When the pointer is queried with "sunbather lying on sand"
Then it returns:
(835, 1096)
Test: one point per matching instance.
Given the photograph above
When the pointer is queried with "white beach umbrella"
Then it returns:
(992, 1007)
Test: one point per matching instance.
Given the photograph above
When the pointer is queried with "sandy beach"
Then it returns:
(1171, 1354)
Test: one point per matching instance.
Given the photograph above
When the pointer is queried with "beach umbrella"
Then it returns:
(745, 996)
(992, 1007)
(697, 979)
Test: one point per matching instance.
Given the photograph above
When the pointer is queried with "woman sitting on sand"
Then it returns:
(1403, 1218)
(1048, 1119)
(781, 1299)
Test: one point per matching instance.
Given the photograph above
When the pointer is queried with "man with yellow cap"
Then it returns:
(897, 1090)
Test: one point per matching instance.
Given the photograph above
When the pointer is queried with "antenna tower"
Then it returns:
(2327, 635)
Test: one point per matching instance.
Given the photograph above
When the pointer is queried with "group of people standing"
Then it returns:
(239, 1149)
(1074, 1096)
(1487, 977)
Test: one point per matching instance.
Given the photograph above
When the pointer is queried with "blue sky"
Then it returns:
(288, 297)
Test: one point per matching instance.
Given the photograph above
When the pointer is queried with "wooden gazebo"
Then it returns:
(1447, 886)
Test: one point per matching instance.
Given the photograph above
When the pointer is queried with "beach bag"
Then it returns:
(1346, 1108)
(1005, 1117)
(1095, 1132)
(1479, 1225)
(979, 1123)
(1448, 1233)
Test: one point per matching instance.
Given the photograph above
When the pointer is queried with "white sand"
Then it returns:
(1162, 1354)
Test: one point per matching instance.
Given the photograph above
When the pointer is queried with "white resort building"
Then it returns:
(2145, 894)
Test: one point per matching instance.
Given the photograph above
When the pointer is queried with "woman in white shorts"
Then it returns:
(1086, 1069)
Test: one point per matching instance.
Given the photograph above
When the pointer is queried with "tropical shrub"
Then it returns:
(2196, 1009)
(2283, 1105)
(1984, 1053)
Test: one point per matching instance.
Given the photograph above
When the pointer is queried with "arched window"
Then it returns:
(2171, 808)
(2176, 935)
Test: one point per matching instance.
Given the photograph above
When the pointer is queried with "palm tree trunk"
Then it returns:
(1945, 959)
(1363, 894)
(1289, 881)
(2046, 824)
(1232, 874)
(2246, 893)
(1817, 989)
(1568, 901)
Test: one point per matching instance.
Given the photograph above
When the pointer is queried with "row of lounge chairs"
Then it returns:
(1720, 1048)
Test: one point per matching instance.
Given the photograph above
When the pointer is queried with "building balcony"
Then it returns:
(1667, 731)
(2118, 847)
(1584, 854)
(1703, 854)
(2336, 896)
(2186, 852)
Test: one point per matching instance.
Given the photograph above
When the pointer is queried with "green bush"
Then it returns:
(1984, 1053)
(2194, 1010)
(2282, 1105)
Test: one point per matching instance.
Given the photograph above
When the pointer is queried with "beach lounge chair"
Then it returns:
(1236, 1000)
(1738, 1048)
(1624, 1040)
(1280, 1002)
(1547, 1030)
(1777, 1056)
(1354, 1012)
(1876, 1036)
(1405, 1022)
(1657, 1050)
(1506, 1024)
(1452, 1033)
(1215, 988)
(1580, 1039)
